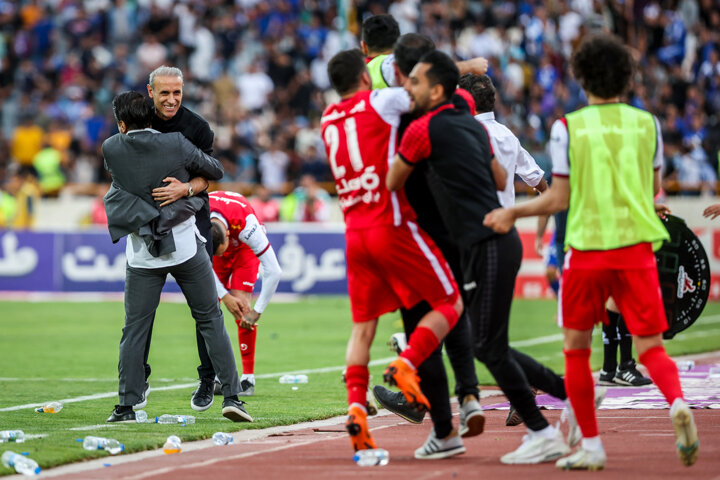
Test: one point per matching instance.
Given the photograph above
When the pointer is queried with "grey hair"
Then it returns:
(165, 71)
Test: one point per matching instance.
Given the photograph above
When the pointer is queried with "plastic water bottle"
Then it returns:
(175, 419)
(172, 445)
(685, 365)
(294, 379)
(17, 436)
(23, 465)
(52, 407)
(372, 457)
(221, 438)
(112, 446)
(141, 416)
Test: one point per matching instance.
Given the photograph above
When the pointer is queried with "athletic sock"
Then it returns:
(625, 342)
(356, 382)
(421, 344)
(663, 372)
(610, 342)
(580, 389)
(247, 339)
(592, 444)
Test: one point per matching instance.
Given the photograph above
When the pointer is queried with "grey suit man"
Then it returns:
(140, 159)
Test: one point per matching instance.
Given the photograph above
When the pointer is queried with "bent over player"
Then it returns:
(241, 246)
(606, 168)
(391, 262)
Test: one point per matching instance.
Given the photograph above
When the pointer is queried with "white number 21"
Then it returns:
(332, 138)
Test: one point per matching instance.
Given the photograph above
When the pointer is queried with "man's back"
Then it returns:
(359, 144)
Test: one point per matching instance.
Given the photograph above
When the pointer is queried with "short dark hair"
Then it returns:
(409, 49)
(133, 109)
(218, 235)
(380, 32)
(482, 90)
(603, 66)
(442, 71)
(345, 69)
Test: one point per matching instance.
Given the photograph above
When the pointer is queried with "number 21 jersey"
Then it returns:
(360, 135)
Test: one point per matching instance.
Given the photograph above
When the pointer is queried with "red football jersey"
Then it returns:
(360, 144)
(235, 209)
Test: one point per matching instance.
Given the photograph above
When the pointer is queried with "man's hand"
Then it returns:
(250, 320)
(237, 306)
(539, 246)
(661, 209)
(712, 211)
(174, 190)
(477, 66)
(501, 220)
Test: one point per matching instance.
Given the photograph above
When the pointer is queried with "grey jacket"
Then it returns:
(138, 162)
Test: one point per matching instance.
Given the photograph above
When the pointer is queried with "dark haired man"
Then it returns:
(456, 154)
(384, 245)
(139, 160)
(379, 34)
(241, 246)
(165, 89)
(609, 185)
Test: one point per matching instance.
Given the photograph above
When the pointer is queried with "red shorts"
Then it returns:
(629, 275)
(391, 267)
(239, 270)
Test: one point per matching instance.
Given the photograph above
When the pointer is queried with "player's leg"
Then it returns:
(356, 381)
(627, 372)
(644, 313)
(610, 344)
(247, 338)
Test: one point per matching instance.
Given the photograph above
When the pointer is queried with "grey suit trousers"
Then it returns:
(142, 296)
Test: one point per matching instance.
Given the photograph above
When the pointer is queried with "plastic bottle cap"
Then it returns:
(37, 470)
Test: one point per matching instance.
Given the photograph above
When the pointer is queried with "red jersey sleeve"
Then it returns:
(415, 145)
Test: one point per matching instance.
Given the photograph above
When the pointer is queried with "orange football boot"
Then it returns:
(357, 427)
(400, 374)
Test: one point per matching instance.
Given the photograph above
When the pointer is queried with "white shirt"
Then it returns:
(253, 235)
(559, 140)
(512, 156)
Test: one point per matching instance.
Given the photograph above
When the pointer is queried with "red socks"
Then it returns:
(580, 387)
(663, 372)
(247, 339)
(421, 344)
(356, 381)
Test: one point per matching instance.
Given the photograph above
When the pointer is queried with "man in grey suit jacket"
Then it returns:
(140, 159)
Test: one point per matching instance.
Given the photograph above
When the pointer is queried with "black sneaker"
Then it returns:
(248, 389)
(514, 419)
(629, 376)
(218, 387)
(606, 378)
(121, 413)
(203, 397)
(142, 403)
(396, 403)
(233, 410)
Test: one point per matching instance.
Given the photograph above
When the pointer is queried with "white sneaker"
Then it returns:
(583, 460)
(538, 449)
(472, 419)
(574, 434)
(440, 448)
(685, 432)
(142, 402)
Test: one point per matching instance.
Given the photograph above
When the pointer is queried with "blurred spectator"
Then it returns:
(307, 203)
(27, 141)
(273, 165)
(266, 207)
(48, 164)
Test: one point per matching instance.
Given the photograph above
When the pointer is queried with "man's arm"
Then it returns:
(415, 146)
(477, 66)
(499, 174)
(555, 199)
(175, 189)
(398, 174)
(199, 162)
(238, 307)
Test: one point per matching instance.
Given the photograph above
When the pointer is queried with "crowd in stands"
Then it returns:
(256, 70)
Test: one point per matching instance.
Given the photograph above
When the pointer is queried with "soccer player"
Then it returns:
(606, 168)
(240, 247)
(455, 153)
(379, 34)
(391, 262)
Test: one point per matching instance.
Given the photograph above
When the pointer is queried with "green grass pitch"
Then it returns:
(59, 350)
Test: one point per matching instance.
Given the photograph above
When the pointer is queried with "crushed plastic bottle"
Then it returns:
(21, 464)
(112, 446)
(685, 365)
(141, 416)
(17, 436)
(52, 407)
(175, 419)
(371, 457)
(222, 438)
(172, 445)
(294, 379)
